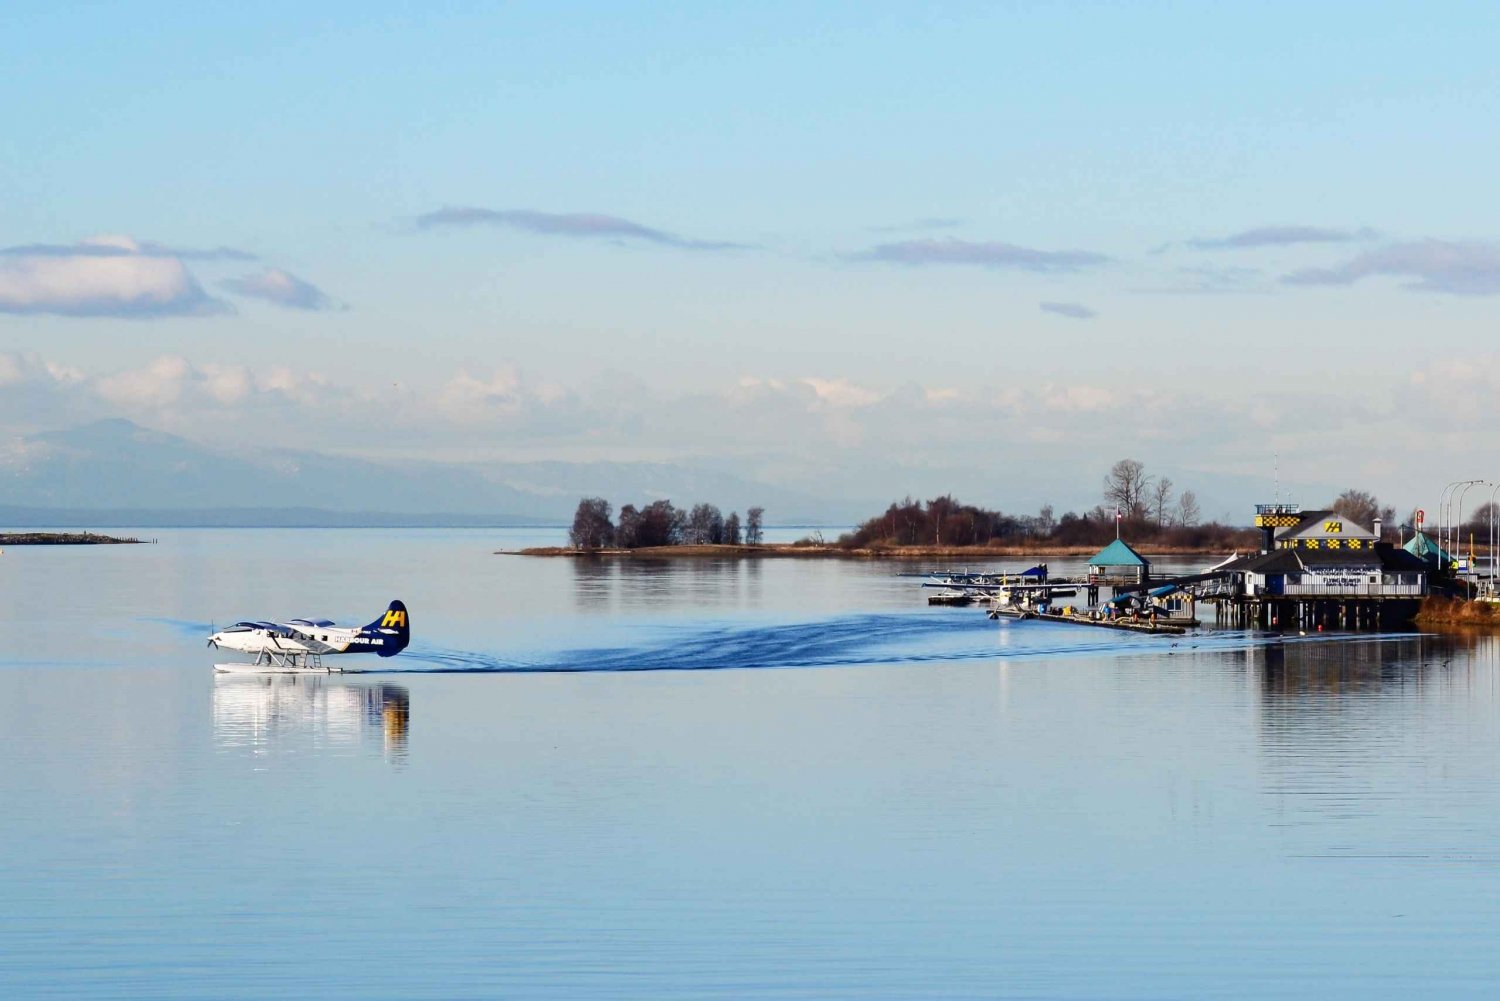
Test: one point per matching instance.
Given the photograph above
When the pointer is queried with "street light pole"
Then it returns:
(1492, 537)
(1459, 520)
(1442, 514)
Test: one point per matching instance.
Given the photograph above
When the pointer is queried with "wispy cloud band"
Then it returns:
(990, 254)
(1453, 267)
(282, 289)
(1281, 236)
(584, 225)
(124, 246)
(1072, 310)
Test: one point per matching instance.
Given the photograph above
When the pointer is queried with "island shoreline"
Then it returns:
(63, 539)
(789, 550)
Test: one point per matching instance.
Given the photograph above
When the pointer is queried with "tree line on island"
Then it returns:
(1147, 509)
(1144, 508)
(661, 524)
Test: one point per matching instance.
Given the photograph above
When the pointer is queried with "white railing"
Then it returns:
(1376, 590)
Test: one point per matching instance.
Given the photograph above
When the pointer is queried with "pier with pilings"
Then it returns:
(1311, 615)
(1317, 570)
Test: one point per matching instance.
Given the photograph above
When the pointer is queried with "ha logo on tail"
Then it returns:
(298, 646)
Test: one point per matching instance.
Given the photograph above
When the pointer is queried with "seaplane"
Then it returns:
(298, 646)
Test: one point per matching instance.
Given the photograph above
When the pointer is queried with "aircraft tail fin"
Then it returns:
(390, 633)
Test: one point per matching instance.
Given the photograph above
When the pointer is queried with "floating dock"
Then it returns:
(1124, 625)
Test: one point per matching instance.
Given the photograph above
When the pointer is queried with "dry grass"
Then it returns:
(1439, 610)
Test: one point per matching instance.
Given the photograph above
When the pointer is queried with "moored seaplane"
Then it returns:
(298, 646)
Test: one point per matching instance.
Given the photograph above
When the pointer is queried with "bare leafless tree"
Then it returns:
(753, 528)
(1359, 506)
(1127, 486)
(1161, 499)
(1187, 509)
(705, 525)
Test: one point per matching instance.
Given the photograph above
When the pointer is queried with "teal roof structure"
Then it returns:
(1118, 554)
(1422, 545)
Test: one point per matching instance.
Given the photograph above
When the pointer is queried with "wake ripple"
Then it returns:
(845, 641)
(855, 640)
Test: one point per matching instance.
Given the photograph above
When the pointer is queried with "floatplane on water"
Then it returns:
(298, 646)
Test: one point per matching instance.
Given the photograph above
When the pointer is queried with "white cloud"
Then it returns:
(118, 282)
(842, 392)
(160, 384)
(116, 275)
(1077, 398)
(803, 432)
(180, 393)
(467, 398)
(227, 384)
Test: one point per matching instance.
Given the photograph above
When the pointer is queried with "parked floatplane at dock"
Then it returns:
(1034, 594)
(298, 646)
(965, 588)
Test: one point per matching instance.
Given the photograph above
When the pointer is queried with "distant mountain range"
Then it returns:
(115, 472)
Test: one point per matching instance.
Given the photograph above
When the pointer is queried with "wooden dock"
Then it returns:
(1124, 625)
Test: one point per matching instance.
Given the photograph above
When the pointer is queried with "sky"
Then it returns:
(899, 248)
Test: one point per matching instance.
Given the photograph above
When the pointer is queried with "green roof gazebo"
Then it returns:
(1117, 561)
(1435, 555)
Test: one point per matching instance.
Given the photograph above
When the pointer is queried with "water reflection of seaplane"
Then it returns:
(298, 646)
(293, 714)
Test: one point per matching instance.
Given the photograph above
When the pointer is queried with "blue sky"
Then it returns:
(898, 240)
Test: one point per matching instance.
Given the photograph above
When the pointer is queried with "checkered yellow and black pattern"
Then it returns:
(1329, 544)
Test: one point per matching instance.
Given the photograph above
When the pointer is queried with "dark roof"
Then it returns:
(1118, 554)
(1396, 558)
(1387, 556)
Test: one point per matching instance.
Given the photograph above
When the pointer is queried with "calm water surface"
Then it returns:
(702, 779)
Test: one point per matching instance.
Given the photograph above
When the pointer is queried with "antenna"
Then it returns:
(1276, 461)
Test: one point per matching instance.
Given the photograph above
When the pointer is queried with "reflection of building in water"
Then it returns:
(1384, 666)
(1291, 670)
(1347, 730)
(287, 711)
